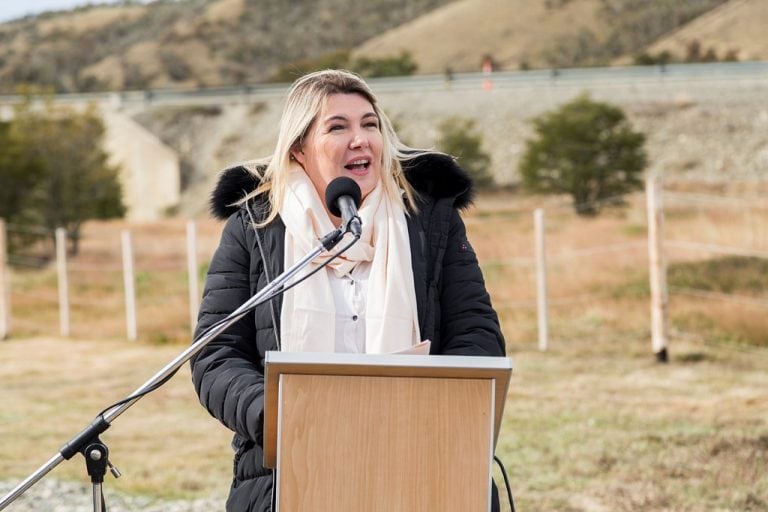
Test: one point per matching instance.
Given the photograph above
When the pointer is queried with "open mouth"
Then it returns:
(359, 165)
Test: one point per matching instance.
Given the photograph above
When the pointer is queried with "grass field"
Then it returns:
(588, 426)
(593, 424)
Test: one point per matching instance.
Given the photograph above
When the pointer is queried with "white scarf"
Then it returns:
(308, 315)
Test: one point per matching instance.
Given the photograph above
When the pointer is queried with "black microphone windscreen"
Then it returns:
(341, 186)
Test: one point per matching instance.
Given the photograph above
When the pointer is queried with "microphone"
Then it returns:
(342, 198)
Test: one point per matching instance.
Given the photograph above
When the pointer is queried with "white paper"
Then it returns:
(420, 349)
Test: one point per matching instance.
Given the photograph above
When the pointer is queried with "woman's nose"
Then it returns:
(359, 140)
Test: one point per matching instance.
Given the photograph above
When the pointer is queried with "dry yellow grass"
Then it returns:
(92, 20)
(597, 269)
(226, 11)
(591, 425)
(52, 388)
(96, 284)
(458, 34)
(597, 426)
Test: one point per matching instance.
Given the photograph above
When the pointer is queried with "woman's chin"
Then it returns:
(366, 179)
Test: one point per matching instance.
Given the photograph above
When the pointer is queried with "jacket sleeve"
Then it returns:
(227, 373)
(468, 323)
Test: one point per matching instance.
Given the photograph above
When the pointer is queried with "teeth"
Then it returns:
(358, 162)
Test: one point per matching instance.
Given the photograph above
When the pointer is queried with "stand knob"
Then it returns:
(113, 469)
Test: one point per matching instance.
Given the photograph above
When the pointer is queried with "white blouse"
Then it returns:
(350, 294)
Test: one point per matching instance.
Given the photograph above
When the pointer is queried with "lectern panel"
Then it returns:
(388, 443)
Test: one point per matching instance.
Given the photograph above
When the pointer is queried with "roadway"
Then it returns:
(584, 78)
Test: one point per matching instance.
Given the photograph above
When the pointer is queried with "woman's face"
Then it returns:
(344, 140)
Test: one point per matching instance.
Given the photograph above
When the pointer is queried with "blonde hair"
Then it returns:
(304, 102)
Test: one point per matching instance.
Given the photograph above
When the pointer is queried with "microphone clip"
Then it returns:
(354, 226)
(332, 239)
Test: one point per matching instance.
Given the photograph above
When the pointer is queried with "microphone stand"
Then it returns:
(87, 441)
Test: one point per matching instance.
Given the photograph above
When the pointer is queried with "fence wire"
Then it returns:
(584, 268)
(712, 227)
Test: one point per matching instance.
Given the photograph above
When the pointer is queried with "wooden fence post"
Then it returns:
(129, 286)
(5, 285)
(541, 279)
(61, 272)
(657, 271)
(194, 288)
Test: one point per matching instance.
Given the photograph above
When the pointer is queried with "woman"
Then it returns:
(412, 276)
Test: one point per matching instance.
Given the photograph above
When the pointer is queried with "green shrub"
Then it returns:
(586, 149)
(457, 137)
(649, 59)
(402, 65)
(295, 69)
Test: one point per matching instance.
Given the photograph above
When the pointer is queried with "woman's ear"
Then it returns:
(297, 154)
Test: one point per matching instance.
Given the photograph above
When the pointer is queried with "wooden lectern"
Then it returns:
(382, 433)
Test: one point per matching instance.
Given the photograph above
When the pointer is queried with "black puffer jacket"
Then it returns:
(454, 308)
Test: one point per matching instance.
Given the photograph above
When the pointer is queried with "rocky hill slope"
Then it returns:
(207, 43)
(190, 43)
(700, 133)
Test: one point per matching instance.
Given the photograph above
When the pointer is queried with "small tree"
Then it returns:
(586, 149)
(75, 182)
(19, 171)
(457, 137)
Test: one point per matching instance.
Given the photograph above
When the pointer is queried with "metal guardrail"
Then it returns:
(723, 72)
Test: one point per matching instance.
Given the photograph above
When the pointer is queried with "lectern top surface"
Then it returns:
(424, 361)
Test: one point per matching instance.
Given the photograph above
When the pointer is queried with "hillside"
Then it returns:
(737, 26)
(514, 33)
(208, 43)
(521, 34)
(188, 43)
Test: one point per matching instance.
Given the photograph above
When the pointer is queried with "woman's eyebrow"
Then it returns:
(342, 117)
(336, 117)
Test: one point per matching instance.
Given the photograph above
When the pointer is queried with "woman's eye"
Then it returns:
(373, 125)
(335, 127)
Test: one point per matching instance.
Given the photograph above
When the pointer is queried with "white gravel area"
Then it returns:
(50, 495)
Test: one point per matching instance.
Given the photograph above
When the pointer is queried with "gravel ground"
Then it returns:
(49, 495)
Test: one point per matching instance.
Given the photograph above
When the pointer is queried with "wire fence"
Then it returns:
(556, 279)
(598, 270)
(86, 295)
(717, 250)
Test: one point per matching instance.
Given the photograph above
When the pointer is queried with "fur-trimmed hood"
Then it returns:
(433, 174)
